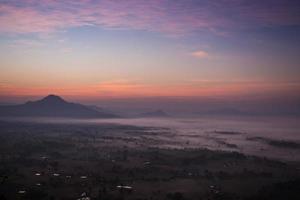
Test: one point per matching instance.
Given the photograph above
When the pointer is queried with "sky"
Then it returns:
(95, 49)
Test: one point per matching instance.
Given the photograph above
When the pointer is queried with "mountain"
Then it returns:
(52, 106)
(106, 110)
(224, 111)
(156, 113)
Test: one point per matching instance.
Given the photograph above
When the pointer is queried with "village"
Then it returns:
(64, 161)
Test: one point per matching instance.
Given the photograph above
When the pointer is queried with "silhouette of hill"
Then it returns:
(52, 106)
(224, 111)
(156, 113)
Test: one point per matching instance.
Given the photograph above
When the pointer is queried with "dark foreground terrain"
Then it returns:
(109, 161)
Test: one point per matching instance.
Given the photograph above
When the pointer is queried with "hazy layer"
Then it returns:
(277, 138)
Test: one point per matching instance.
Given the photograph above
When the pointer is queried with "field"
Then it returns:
(112, 161)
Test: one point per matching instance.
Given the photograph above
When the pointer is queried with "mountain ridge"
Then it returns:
(155, 113)
(52, 106)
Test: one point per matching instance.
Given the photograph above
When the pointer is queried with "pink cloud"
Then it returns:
(165, 16)
(200, 54)
(154, 15)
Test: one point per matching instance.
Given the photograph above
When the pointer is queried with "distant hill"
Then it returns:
(156, 113)
(224, 111)
(107, 110)
(52, 106)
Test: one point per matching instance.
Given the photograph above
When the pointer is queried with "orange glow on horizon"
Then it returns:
(122, 89)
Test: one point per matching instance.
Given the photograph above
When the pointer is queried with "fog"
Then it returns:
(272, 137)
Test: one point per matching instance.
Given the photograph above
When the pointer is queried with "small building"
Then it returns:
(124, 188)
(84, 196)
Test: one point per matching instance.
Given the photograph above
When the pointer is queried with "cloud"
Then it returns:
(200, 54)
(165, 16)
(66, 50)
(26, 43)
